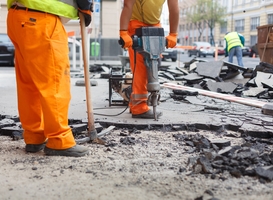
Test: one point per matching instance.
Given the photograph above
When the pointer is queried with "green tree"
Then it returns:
(209, 12)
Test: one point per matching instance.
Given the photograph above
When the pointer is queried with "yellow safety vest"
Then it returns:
(64, 8)
(147, 11)
(233, 40)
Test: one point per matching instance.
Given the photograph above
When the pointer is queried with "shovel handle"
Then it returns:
(91, 127)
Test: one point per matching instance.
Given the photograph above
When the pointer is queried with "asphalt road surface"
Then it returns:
(248, 62)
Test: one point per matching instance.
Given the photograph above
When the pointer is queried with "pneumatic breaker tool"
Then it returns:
(150, 42)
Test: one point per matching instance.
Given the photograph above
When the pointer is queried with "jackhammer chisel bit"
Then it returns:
(153, 85)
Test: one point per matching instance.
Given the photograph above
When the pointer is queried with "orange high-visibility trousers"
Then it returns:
(139, 96)
(43, 77)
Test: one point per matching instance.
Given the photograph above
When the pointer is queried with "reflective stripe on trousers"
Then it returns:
(138, 99)
(43, 77)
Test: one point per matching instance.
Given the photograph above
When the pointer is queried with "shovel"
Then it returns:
(91, 131)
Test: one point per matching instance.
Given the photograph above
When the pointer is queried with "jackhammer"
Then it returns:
(150, 42)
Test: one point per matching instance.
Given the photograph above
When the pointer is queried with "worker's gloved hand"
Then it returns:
(86, 8)
(125, 40)
(171, 40)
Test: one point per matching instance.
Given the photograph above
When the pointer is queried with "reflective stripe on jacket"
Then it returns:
(233, 40)
(64, 8)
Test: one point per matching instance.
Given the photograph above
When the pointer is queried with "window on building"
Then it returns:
(190, 41)
(181, 28)
(270, 18)
(181, 13)
(253, 40)
(240, 25)
(223, 28)
(255, 21)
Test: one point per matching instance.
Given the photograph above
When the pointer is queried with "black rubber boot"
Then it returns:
(33, 148)
(148, 115)
(76, 151)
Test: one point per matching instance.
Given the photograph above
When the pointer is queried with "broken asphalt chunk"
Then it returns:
(265, 172)
(234, 66)
(8, 131)
(221, 143)
(185, 72)
(78, 128)
(168, 75)
(221, 87)
(225, 151)
(260, 77)
(254, 91)
(206, 165)
(192, 78)
(128, 140)
(209, 69)
(6, 122)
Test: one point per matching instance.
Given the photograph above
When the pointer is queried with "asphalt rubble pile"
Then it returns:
(223, 77)
(252, 158)
(215, 76)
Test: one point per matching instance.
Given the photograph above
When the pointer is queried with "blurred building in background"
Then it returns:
(242, 16)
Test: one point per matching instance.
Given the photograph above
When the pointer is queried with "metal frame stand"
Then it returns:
(118, 78)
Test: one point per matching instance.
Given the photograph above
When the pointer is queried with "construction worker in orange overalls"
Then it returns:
(144, 13)
(43, 72)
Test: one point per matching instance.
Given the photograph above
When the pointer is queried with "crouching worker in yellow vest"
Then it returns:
(234, 44)
(43, 72)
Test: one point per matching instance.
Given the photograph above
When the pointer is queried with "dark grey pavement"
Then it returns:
(197, 112)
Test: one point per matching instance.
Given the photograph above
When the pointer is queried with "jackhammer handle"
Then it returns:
(121, 42)
(135, 39)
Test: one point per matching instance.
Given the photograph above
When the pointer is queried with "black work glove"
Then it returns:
(86, 8)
